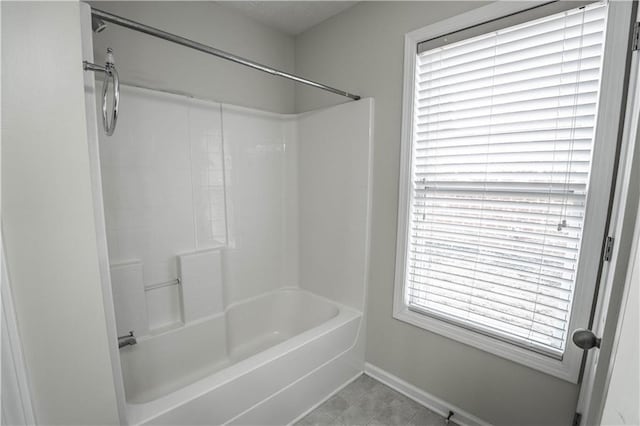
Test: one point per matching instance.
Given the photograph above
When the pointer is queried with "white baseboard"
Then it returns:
(433, 403)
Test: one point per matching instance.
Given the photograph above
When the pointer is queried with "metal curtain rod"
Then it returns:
(136, 26)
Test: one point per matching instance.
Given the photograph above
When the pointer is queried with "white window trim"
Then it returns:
(612, 87)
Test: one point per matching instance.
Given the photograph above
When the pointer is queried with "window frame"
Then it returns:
(602, 171)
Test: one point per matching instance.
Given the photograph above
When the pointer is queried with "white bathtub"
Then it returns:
(266, 360)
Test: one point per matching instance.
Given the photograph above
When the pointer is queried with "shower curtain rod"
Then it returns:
(136, 26)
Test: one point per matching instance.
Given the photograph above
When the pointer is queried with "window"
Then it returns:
(497, 172)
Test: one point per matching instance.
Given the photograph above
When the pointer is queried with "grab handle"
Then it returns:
(110, 74)
(110, 78)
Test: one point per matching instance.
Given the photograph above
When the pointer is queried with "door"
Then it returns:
(614, 270)
(623, 392)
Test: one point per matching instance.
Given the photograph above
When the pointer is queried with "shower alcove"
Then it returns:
(234, 245)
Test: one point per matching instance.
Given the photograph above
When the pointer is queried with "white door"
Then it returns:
(614, 272)
(622, 399)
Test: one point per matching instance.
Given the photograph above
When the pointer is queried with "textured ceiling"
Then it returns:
(291, 17)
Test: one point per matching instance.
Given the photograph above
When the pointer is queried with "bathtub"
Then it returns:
(266, 360)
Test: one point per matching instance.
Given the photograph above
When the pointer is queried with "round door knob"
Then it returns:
(585, 339)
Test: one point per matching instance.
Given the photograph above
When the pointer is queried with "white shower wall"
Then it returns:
(334, 156)
(262, 201)
(181, 175)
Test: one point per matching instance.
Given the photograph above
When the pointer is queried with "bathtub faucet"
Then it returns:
(126, 340)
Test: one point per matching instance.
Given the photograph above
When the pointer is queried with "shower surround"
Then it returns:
(183, 176)
(238, 250)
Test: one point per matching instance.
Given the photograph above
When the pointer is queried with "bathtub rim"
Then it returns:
(174, 328)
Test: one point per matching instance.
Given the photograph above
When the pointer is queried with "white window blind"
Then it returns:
(503, 128)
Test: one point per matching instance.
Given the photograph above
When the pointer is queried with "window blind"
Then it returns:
(503, 128)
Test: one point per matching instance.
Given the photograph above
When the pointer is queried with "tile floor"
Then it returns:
(367, 402)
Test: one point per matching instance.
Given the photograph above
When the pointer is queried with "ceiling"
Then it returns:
(290, 17)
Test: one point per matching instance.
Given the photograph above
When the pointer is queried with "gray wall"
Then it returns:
(47, 217)
(361, 50)
(149, 62)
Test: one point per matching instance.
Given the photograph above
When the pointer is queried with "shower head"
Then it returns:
(97, 25)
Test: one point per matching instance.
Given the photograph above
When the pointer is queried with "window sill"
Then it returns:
(564, 369)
